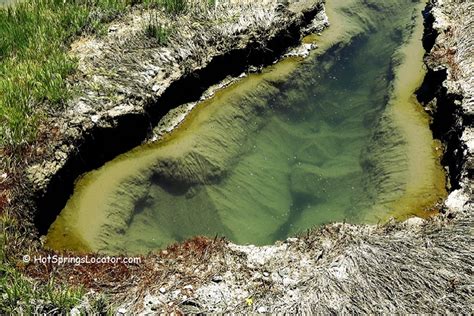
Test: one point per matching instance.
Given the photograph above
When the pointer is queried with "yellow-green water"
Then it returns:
(6, 2)
(336, 137)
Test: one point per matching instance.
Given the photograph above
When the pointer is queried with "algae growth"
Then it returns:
(335, 137)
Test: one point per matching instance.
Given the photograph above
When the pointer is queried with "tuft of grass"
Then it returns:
(24, 296)
(20, 295)
(157, 30)
(211, 3)
(175, 6)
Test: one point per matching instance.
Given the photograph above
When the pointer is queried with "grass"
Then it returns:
(24, 296)
(157, 30)
(174, 6)
(35, 36)
(154, 28)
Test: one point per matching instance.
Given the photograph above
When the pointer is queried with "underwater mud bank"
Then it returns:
(90, 137)
(6, 2)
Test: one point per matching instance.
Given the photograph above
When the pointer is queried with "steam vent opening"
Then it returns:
(338, 136)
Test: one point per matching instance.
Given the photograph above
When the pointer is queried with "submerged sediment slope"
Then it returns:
(279, 152)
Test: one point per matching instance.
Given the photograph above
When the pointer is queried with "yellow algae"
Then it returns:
(426, 183)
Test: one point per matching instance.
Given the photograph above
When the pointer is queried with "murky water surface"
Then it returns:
(336, 137)
(5, 2)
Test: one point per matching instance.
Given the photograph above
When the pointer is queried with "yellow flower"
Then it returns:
(249, 301)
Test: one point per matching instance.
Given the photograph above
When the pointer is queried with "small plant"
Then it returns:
(174, 6)
(211, 3)
(24, 296)
(21, 295)
(157, 30)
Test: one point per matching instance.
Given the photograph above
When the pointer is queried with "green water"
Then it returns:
(5, 2)
(336, 137)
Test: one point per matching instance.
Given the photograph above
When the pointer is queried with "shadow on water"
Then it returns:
(331, 138)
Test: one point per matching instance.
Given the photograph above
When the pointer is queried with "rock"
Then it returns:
(301, 51)
(152, 303)
(415, 222)
(75, 312)
(190, 307)
(95, 118)
(261, 310)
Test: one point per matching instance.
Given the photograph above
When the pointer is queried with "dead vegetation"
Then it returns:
(417, 266)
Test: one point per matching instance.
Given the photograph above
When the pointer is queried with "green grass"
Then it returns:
(154, 28)
(174, 6)
(34, 39)
(35, 35)
(24, 296)
(158, 31)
